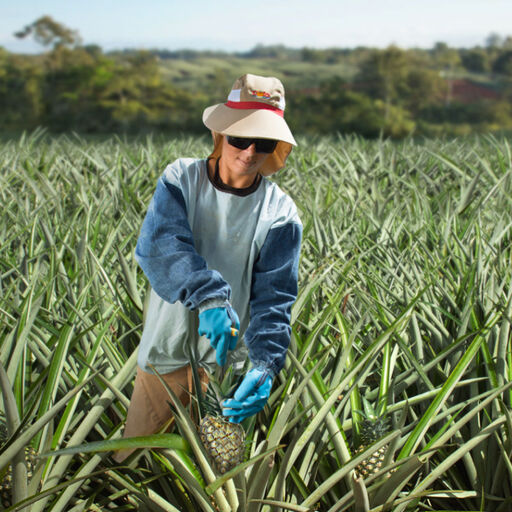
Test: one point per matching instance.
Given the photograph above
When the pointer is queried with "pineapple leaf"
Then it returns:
(369, 411)
(203, 404)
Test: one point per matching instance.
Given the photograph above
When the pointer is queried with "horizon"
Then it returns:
(42, 50)
(115, 25)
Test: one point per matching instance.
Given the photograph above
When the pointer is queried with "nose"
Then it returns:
(251, 150)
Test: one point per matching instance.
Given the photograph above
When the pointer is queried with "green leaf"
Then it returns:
(169, 441)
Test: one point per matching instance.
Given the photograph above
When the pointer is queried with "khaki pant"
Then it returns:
(149, 408)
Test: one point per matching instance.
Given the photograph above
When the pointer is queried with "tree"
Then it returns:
(503, 64)
(336, 108)
(20, 92)
(449, 60)
(493, 40)
(507, 43)
(311, 55)
(383, 74)
(47, 31)
(424, 87)
(476, 60)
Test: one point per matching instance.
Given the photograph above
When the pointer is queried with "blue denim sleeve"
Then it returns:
(273, 292)
(166, 253)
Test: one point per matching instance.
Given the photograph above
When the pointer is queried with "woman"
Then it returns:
(220, 247)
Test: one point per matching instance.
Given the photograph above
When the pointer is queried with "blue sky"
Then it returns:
(239, 26)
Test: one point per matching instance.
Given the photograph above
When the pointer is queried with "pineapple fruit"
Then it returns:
(223, 441)
(6, 481)
(373, 428)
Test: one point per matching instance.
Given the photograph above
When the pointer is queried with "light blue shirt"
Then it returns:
(202, 244)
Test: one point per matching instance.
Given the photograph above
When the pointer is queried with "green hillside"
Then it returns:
(392, 92)
(295, 75)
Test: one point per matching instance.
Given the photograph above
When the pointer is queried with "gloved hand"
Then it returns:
(221, 327)
(250, 397)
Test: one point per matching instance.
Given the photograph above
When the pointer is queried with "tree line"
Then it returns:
(395, 92)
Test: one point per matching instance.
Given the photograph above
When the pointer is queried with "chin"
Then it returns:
(244, 168)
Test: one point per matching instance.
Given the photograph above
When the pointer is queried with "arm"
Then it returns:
(166, 253)
(273, 292)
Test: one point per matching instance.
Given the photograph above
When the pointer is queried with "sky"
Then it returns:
(240, 25)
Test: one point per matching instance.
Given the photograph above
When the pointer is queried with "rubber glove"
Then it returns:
(220, 326)
(250, 397)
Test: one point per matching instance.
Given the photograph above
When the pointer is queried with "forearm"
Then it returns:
(273, 292)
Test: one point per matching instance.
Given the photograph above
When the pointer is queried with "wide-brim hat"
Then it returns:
(254, 108)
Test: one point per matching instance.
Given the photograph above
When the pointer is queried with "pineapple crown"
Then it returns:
(374, 425)
(221, 385)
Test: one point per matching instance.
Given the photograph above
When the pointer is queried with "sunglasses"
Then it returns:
(261, 145)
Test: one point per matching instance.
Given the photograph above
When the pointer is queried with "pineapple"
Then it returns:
(6, 479)
(224, 441)
(373, 428)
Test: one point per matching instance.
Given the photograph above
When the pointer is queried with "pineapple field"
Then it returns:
(396, 394)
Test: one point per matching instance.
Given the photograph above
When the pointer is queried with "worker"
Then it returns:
(220, 246)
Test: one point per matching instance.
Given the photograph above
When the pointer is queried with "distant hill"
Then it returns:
(369, 91)
(305, 69)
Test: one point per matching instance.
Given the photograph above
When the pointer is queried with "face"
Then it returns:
(239, 163)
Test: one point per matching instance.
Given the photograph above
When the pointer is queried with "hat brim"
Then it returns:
(258, 123)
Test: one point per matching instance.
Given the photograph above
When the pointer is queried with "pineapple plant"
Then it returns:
(223, 441)
(373, 427)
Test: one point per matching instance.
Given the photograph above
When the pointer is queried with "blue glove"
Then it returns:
(250, 397)
(220, 326)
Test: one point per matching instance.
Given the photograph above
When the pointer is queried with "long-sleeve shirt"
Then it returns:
(202, 241)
